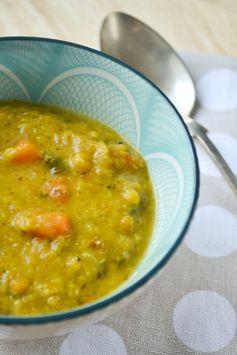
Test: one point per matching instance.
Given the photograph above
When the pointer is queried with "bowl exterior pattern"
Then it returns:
(80, 79)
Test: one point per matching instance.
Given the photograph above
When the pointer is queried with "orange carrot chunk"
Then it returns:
(128, 160)
(18, 286)
(46, 225)
(24, 151)
(56, 189)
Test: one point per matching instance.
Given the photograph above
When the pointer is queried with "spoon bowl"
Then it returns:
(133, 42)
(126, 37)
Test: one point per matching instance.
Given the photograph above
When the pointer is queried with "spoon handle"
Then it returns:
(200, 133)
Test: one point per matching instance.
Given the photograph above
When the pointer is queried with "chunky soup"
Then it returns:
(76, 209)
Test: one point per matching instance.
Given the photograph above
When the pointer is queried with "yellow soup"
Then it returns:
(76, 209)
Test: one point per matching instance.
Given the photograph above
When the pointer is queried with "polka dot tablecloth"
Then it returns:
(192, 306)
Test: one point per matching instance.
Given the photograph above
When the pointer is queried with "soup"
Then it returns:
(76, 209)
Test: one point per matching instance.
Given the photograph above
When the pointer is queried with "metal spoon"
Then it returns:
(130, 40)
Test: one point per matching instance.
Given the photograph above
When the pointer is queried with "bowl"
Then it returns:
(78, 78)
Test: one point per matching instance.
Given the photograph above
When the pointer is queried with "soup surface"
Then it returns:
(76, 209)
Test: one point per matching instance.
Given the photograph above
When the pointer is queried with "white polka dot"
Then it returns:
(204, 321)
(217, 89)
(93, 340)
(227, 145)
(213, 232)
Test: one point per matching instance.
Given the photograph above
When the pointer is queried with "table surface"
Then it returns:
(208, 26)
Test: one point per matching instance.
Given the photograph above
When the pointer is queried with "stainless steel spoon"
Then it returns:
(130, 40)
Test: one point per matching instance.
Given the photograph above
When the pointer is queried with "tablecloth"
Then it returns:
(191, 307)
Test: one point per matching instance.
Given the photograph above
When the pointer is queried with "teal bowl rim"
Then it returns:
(77, 312)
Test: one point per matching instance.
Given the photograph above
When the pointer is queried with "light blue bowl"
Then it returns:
(82, 79)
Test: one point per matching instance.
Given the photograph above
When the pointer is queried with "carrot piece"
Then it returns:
(45, 225)
(24, 151)
(56, 189)
(132, 161)
(18, 286)
(128, 160)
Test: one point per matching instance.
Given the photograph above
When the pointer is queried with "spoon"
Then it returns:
(131, 41)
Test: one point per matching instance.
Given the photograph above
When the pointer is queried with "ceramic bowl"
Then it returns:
(82, 79)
